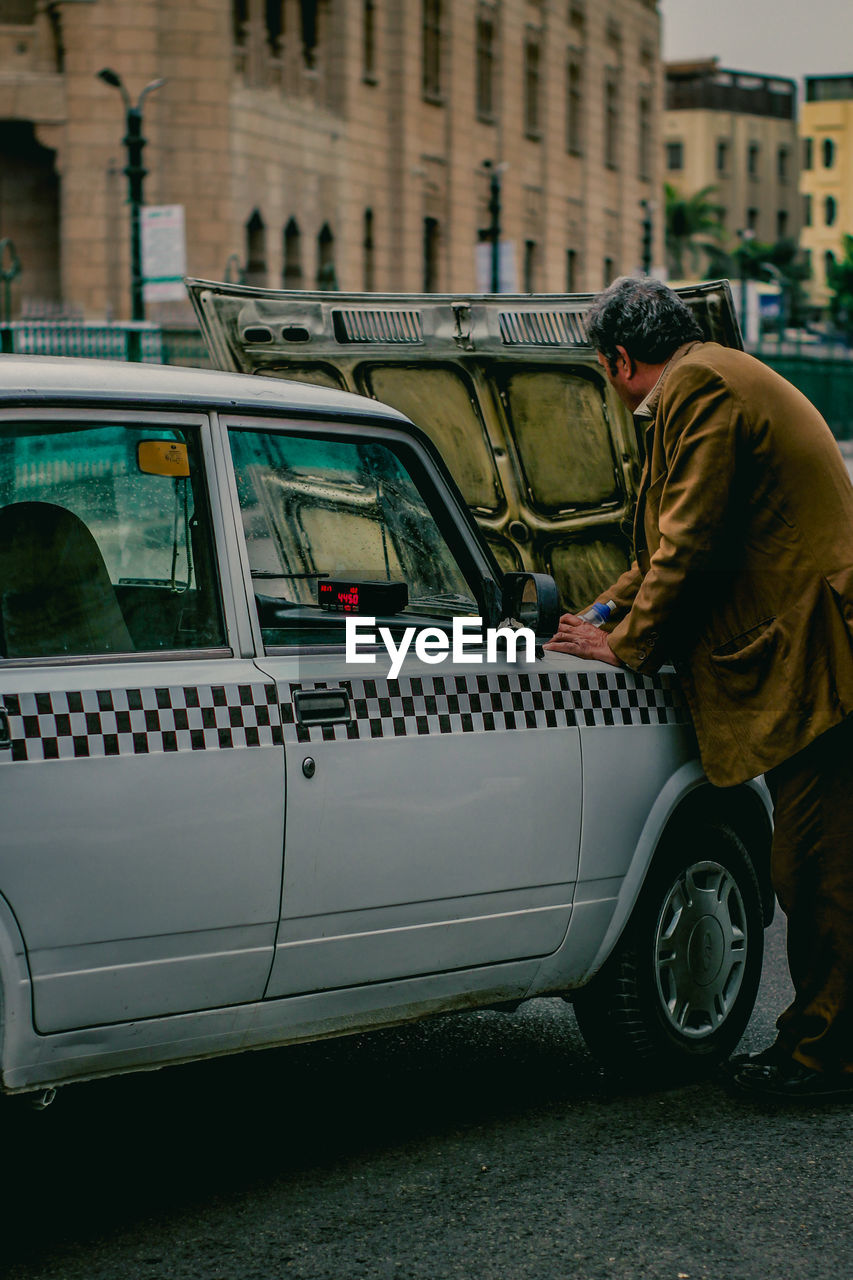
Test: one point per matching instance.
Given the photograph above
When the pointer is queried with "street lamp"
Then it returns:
(134, 142)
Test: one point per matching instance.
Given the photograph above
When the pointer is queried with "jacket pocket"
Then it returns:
(742, 648)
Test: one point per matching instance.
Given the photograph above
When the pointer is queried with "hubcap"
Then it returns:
(700, 949)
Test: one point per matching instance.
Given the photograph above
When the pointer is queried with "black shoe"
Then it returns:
(789, 1081)
(774, 1052)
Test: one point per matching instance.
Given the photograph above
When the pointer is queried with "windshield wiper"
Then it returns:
(272, 573)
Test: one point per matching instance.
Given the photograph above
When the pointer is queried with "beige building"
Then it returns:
(331, 141)
(737, 133)
(826, 130)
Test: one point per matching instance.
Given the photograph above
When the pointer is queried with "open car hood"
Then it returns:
(507, 386)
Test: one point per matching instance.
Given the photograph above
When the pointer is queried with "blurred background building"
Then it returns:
(359, 144)
(732, 136)
(826, 129)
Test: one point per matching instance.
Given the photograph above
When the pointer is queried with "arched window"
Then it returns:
(292, 271)
(828, 153)
(326, 277)
(830, 211)
(828, 265)
(274, 19)
(239, 18)
(256, 250)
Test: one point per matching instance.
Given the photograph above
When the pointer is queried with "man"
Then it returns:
(744, 580)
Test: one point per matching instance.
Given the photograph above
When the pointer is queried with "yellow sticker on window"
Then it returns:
(163, 458)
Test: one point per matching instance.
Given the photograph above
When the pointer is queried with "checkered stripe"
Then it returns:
(128, 722)
(415, 706)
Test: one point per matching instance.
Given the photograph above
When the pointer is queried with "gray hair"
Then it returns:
(643, 316)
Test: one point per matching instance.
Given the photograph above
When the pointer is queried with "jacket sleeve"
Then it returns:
(622, 593)
(700, 418)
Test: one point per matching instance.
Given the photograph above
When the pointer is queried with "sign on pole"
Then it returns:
(507, 281)
(164, 252)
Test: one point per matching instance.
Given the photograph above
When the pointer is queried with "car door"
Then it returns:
(433, 814)
(141, 778)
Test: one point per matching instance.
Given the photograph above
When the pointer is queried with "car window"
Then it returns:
(105, 541)
(339, 512)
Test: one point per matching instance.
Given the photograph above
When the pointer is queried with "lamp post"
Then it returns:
(135, 171)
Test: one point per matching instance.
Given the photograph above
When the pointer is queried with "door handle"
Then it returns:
(322, 706)
(5, 732)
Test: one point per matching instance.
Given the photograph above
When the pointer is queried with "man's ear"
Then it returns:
(629, 362)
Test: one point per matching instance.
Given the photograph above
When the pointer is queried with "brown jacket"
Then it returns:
(744, 569)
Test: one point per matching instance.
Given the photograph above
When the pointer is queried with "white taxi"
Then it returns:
(228, 825)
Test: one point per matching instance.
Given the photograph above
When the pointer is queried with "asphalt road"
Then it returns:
(482, 1146)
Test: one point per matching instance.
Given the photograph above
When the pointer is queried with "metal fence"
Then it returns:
(146, 343)
(824, 375)
(825, 380)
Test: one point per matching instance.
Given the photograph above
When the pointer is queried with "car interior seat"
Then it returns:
(55, 592)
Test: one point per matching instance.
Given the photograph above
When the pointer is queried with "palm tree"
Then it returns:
(693, 223)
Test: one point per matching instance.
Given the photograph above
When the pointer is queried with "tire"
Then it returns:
(673, 999)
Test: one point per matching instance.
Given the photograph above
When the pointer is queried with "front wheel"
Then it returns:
(674, 998)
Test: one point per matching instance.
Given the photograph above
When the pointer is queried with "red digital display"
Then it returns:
(343, 599)
(342, 596)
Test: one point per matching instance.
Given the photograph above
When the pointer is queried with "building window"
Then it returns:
(531, 266)
(486, 64)
(752, 219)
(274, 18)
(239, 19)
(609, 271)
(611, 122)
(431, 47)
(256, 250)
(782, 164)
(368, 41)
(675, 156)
(292, 272)
(781, 224)
(369, 256)
(326, 277)
(808, 153)
(532, 86)
(828, 265)
(574, 104)
(722, 156)
(571, 271)
(828, 153)
(830, 211)
(644, 140)
(431, 233)
(807, 211)
(753, 157)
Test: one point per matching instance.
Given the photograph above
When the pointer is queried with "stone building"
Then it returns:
(826, 130)
(331, 142)
(736, 133)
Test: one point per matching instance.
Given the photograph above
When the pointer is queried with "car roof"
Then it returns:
(54, 379)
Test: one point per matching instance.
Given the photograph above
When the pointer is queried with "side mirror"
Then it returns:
(532, 600)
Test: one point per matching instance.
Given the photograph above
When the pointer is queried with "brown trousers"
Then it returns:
(812, 870)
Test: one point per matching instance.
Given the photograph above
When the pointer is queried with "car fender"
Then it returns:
(599, 917)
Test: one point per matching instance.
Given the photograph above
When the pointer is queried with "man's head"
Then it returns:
(635, 325)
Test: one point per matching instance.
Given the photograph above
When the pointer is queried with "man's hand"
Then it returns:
(582, 640)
